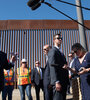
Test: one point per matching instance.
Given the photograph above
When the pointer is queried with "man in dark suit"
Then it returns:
(37, 78)
(59, 75)
(4, 64)
(46, 81)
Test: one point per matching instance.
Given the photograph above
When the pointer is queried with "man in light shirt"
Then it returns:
(71, 58)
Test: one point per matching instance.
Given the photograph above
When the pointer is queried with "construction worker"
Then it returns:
(8, 84)
(24, 80)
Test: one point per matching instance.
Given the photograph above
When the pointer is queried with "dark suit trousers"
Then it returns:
(48, 93)
(37, 89)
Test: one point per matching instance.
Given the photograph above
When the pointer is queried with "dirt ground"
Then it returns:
(16, 95)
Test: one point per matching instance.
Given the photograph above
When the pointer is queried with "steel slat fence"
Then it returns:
(29, 42)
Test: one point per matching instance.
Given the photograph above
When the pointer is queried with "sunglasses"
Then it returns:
(75, 51)
(37, 63)
(45, 49)
(58, 38)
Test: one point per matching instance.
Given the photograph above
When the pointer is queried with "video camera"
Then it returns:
(15, 54)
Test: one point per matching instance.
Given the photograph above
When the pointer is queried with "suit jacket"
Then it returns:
(46, 79)
(56, 61)
(35, 76)
(4, 64)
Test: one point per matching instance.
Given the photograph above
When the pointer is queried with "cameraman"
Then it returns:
(5, 64)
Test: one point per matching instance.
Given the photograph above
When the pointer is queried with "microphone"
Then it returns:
(34, 4)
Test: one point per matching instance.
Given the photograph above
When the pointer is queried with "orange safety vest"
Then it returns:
(8, 77)
(23, 77)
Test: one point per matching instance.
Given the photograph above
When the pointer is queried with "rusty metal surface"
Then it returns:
(27, 37)
(40, 24)
(46, 28)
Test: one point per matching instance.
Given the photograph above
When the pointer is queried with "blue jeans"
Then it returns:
(7, 91)
(22, 89)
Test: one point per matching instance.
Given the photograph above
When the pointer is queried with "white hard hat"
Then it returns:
(24, 60)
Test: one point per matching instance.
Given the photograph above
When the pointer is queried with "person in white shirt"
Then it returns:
(71, 58)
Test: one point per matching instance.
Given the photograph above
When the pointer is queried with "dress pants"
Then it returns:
(48, 92)
(37, 89)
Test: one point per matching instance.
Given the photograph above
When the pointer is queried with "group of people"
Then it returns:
(54, 77)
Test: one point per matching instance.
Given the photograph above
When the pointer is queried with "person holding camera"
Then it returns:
(5, 64)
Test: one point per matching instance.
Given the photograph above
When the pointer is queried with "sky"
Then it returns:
(18, 10)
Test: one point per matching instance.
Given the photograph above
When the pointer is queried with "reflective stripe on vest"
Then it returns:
(23, 77)
(9, 83)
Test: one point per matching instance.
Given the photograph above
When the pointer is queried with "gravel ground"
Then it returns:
(16, 95)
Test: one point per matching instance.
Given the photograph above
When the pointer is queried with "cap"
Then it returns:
(24, 60)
